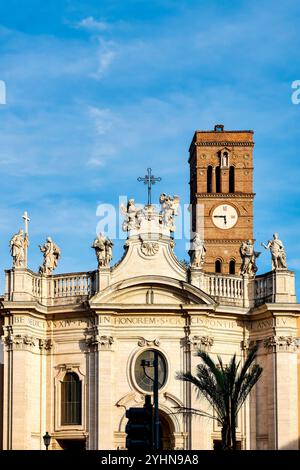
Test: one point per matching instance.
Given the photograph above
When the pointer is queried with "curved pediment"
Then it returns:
(144, 255)
(145, 290)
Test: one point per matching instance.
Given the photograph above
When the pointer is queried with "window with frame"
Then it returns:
(218, 266)
(71, 399)
(232, 266)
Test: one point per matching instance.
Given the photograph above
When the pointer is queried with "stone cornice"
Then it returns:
(225, 143)
(226, 195)
(215, 241)
(278, 309)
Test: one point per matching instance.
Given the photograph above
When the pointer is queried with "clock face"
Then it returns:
(224, 216)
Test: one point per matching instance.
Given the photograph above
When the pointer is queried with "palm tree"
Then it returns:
(225, 388)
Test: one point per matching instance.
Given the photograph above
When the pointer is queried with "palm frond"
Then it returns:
(244, 372)
(201, 413)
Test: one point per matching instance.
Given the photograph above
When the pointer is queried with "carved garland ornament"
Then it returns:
(145, 342)
(149, 248)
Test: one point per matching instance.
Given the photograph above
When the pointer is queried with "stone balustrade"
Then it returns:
(25, 285)
(49, 290)
(224, 286)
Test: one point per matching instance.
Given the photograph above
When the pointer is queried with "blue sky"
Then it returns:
(97, 91)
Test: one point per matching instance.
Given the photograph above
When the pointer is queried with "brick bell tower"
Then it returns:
(221, 195)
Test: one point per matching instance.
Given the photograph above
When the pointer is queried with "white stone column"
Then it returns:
(282, 393)
(105, 392)
(92, 392)
(201, 428)
(7, 387)
(186, 389)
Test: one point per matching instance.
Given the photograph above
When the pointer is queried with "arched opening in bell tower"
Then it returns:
(218, 179)
(231, 179)
(209, 179)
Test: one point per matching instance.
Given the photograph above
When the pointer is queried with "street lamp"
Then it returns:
(156, 384)
(47, 439)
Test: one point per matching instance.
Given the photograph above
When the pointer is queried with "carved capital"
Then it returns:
(92, 341)
(145, 342)
(19, 341)
(281, 343)
(185, 343)
(202, 342)
(247, 344)
(105, 342)
(7, 338)
(45, 344)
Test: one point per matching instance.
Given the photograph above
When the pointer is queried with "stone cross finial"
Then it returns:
(26, 220)
(150, 180)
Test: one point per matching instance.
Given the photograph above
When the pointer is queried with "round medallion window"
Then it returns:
(144, 370)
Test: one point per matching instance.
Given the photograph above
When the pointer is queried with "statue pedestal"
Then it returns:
(197, 278)
(19, 284)
(284, 286)
(103, 278)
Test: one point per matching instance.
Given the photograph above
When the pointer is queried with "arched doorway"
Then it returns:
(166, 434)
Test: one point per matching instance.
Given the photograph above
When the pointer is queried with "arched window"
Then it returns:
(224, 159)
(209, 179)
(232, 266)
(218, 266)
(231, 179)
(218, 179)
(71, 399)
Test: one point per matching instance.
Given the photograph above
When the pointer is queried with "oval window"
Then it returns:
(144, 370)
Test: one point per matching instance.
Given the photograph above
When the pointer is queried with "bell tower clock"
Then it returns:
(221, 194)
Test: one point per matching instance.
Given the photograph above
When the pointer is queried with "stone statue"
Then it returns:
(133, 216)
(197, 252)
(51, 254)
(169, 208)
(18, 244)
(108, 252)
(277, 252)
(248, 256)
(103, 248)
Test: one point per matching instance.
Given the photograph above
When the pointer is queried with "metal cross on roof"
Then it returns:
(149, 179)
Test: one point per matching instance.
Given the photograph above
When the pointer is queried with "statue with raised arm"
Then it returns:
(103, 248)
(108, 251)
(169, 209)
(18, 244)
(248, 255)
(277, 252)
(132, 215)
(51, 254)
(197, 252)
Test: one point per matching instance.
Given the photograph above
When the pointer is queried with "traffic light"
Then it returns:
(139, 427)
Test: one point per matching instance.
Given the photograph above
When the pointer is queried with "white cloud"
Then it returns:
(103, 119)
(91, 24)
(105, 57)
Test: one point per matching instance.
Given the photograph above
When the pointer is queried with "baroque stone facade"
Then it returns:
(92, 329)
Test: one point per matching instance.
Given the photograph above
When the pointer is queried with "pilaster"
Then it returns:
(105, 390)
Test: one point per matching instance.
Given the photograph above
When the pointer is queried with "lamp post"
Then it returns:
(145, 364)
(47, 439)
